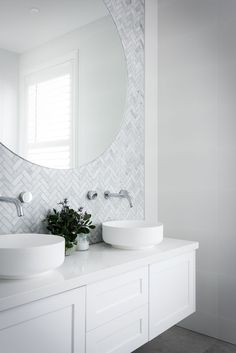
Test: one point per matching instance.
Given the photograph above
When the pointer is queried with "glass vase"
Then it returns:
(82, 243)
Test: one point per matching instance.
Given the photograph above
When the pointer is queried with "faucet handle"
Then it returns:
(92, 195)
(107, 194)
(26, 197)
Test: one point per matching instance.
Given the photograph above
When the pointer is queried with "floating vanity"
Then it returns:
(100, 301)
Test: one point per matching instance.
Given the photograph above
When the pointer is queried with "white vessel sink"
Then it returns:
(132, 234)
(28, 255)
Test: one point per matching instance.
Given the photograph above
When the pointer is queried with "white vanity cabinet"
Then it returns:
(124, 312)
(52, 325)
(172, 292)
(117, 313)
(114, 301)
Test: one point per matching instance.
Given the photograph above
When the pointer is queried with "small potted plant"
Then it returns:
(70, 224)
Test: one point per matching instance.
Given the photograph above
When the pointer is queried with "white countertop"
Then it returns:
(82, 268)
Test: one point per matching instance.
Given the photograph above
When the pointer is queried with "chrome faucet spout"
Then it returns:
(125, 194)
(16, 202)
(122, 194)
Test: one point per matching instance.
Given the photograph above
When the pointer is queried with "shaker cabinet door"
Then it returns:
(172, 292)
(52, 325)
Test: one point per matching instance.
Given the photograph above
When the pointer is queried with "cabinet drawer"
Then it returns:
(122, 335)
(108, 299)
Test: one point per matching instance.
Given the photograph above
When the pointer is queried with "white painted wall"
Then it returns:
(102, 81)
(197, 148)
(9, 63)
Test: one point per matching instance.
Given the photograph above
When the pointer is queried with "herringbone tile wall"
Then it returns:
(121, 166)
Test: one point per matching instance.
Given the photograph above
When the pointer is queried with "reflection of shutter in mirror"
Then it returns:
(49, 116)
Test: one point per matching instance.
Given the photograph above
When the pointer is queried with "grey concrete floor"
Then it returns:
(179, 340)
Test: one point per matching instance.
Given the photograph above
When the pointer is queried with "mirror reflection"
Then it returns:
(62, 80)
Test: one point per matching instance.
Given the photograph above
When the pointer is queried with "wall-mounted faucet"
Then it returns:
(122, 194)
(24, 197)
(92, 195)
(16, 202)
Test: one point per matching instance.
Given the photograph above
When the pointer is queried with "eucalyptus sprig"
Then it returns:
(68, 222)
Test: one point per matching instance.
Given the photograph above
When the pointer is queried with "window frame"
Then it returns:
(24, 74)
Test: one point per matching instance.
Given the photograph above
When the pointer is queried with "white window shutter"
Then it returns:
(49, 116)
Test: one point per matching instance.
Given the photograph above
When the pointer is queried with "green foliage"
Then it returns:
(68, 222)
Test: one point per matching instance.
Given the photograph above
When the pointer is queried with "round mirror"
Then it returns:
(63, 80)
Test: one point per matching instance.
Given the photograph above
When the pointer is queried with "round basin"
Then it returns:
(28, 255)
(132, 234)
